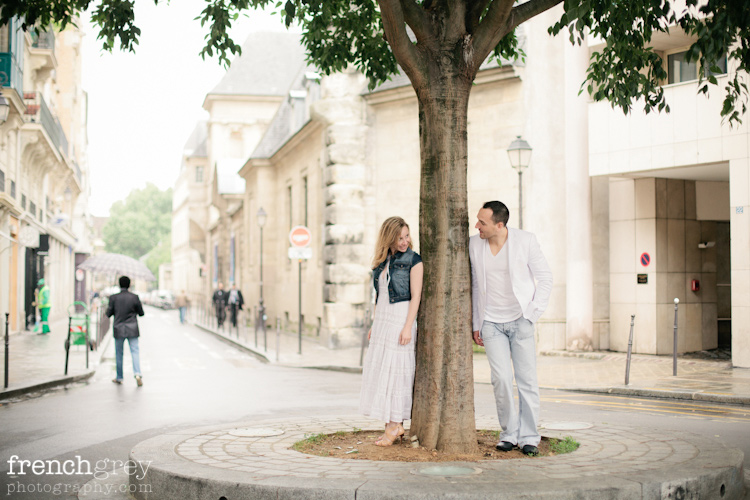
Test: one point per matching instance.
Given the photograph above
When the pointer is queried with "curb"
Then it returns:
(234, 343)
(57, 382)
(47, 384)
(656, 393)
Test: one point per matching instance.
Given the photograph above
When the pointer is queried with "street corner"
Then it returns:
(256, 458)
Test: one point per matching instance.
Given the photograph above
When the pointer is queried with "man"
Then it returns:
(44, 304)
(126, 307)
(235, 304)
(506, 303)
(182, 302)
(220, 305)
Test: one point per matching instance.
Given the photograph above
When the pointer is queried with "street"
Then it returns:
(192, 379)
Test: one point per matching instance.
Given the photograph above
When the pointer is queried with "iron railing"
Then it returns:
(37, 111)
(42, 39)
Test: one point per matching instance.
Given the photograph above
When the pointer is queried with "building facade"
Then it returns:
(44, 185)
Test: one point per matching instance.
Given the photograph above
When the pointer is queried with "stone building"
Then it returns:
(44, 184)
(631, 211)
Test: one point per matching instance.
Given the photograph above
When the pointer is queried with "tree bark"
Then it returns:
(443, 413)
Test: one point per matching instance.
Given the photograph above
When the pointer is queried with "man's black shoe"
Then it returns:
(504, 446)
(530, 450)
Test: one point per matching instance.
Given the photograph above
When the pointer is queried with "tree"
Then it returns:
(140, 223)
(440, 46)
(160, 254)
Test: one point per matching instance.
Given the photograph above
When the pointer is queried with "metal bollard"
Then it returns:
(630, 350)
(674, 348)
(7, 345)
(278, 333)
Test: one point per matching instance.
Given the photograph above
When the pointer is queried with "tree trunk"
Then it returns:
(443, 412)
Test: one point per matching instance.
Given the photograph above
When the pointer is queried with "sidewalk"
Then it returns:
(37, 362)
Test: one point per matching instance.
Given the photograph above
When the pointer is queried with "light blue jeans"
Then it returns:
(183, 314)
(134, 353)
(506, 343)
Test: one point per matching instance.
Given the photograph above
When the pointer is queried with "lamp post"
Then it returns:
(519, 153)
(261, 309)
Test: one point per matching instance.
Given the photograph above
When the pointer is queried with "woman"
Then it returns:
(388, 373)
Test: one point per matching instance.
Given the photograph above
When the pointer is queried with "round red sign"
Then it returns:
(300, 237)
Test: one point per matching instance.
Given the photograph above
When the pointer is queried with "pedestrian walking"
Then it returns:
(181, 303)
(44, 304)
(220, 305)
(506, 302)
(126, 307)
(235, 302)
(388, 371)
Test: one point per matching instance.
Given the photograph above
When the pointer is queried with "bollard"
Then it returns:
(67, 345)
(674, 349)
(630, 349)
(7, 344)
(278, 333)
(265, 336)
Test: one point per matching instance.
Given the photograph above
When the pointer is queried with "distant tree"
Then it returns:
(441, 51)
(160, 254)
(138, 224)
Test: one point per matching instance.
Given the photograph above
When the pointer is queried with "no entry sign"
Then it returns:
(300, 237)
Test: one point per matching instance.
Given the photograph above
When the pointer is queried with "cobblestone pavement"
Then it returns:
(627, 462)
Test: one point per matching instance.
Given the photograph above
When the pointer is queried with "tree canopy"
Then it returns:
(369, 35)
(137, 225)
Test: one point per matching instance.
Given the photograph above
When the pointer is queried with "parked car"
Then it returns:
(164, 299)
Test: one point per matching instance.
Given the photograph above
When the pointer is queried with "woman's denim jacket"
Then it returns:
(399, 289)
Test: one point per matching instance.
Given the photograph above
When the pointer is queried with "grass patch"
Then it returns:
(564, 445)
(311, 440)
(478, 349)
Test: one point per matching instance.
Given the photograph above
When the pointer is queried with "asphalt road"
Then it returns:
(192, 379)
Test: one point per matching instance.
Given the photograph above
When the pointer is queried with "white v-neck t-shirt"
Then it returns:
(502, 305)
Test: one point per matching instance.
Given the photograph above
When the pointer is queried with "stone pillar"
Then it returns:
(346, 270)
(739, 217)
(579, 282)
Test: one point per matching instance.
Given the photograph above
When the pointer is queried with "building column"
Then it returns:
(579, 280)
(739, 216)
(346, 274)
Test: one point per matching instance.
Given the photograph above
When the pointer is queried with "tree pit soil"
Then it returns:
(360, 445)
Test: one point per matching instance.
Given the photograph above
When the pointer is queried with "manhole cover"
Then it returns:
(255, 432)
(567, 426)
(447, 471)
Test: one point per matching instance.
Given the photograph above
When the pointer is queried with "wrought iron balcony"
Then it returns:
(41, 39)
(37, 111)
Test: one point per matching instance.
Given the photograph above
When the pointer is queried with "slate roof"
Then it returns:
(196, 143)
(268, 63)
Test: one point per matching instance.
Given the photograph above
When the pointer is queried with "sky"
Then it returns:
(142, 107)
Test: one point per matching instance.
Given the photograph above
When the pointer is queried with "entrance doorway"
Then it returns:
(723, 285)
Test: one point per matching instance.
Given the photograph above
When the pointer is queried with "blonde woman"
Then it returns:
(388, 372)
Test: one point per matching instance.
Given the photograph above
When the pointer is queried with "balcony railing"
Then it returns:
(42, 39)
(37, 111)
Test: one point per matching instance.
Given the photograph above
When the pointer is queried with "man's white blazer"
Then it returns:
(529, 273)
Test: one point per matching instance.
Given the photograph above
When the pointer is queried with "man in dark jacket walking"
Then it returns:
(126, 307)
(220, 304)
(235, 304)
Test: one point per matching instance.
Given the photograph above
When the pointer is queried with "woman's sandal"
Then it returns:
(389, 437)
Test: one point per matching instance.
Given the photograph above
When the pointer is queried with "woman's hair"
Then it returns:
(390, 231)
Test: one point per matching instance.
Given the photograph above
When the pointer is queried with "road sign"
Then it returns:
(300, 237)
(645, 259)
(300, 253)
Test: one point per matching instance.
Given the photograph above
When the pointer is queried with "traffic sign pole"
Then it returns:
(300, 238)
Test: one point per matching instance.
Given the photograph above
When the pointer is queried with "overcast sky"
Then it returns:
(143, 106)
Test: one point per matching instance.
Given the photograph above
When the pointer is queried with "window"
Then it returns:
(199, 174)
(304, 180)
(289, 197)
(679, 70)
(2, 181)
(32, 208)
(13, 189)
(23, 201)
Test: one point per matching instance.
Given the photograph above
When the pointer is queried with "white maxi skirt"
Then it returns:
(388, 371)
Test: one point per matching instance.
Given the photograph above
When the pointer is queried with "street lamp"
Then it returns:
(261, 310)
(519, 153)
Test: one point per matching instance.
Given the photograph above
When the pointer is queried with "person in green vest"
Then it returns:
(43, 303)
